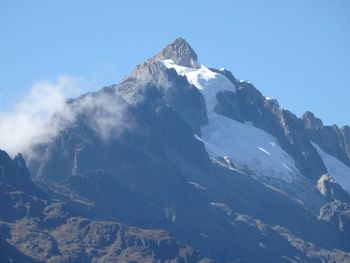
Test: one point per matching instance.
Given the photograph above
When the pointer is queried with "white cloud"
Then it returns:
(44, 112)
(26, 123)
(105, 113)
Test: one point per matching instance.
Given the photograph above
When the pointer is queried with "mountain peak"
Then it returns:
(180, 52)
(310, 121)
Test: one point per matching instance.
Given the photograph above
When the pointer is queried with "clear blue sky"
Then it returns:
(297, 51)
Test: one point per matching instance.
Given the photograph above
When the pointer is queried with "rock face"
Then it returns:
(130, 179)
(345, 131)
(175, 91)
(338, 214)
(331, 139)
(35, 228)
(83, 240)
(15, 172)
(180, 52)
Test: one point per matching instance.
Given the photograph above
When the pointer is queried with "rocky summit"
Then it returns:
(179, 162)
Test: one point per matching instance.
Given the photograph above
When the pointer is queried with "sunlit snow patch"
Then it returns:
(224, 207)
(337, 169)
(249, 146)
(197, 185)
(207, 81)
(263, 150)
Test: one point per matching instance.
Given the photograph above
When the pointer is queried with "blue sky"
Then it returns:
(296, 51)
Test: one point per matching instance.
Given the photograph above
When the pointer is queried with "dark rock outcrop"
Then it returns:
(331, 190)
(331, 139)
(228, 74)
(15, 172)
(345, 131)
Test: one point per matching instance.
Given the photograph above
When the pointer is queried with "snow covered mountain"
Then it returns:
(180, 163)
(243, 143)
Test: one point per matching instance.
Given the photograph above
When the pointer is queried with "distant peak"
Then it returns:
(180, 52)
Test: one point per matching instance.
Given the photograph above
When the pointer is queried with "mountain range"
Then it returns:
(179, 162)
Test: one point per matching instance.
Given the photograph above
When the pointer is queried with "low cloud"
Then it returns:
(104, 112)
(31, 119)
